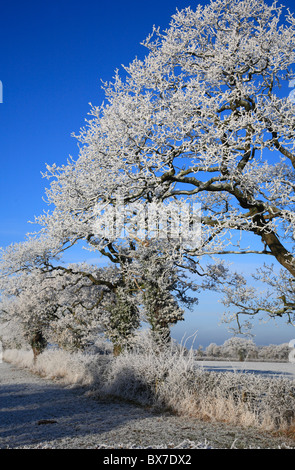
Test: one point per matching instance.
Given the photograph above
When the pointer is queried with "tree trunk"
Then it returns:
(38, 344)
(283, 256)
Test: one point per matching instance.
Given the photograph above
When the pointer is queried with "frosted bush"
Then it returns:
(59, 364)
(169, 378)
(19, 357)
(151, 374)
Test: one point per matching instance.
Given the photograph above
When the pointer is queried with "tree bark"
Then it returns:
(283, 256)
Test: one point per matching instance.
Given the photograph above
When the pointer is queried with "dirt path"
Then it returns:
(38, 413)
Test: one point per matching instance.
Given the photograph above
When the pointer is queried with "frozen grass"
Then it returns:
(70, 368)
(170, 379)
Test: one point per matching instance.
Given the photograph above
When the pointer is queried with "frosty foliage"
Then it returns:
(63, 305)
(150, 373)
(196, 119)
(70, 306)
(274, 299)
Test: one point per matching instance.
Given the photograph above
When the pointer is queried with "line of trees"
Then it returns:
(242, 349)
(70, 306)
(199, 119)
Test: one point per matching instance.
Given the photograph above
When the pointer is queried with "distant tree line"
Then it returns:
(242, 349)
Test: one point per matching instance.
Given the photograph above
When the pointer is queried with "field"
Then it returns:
(266, 369)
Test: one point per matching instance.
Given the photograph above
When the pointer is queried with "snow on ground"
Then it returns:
(267, 369)
(40, 413)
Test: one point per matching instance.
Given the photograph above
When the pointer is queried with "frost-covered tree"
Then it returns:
(202, 117)
(213, 350)
(65, 305)
(24, 311)
(238, 348)
(70, 305)
(154, 290)
(163, 289)
(274, 352)
(61, 306)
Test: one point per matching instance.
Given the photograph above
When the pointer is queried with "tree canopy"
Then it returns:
(200, 119)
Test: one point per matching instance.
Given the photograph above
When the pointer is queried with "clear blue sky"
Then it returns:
(53, 55)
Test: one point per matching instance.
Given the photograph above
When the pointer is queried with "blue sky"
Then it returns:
(53, 55)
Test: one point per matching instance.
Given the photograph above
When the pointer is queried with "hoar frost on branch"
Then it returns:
(276, 300)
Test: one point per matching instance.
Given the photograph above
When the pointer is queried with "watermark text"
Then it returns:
(175, 220)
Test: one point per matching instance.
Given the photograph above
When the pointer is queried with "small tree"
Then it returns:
(70, 306)
(238, 348)
(213, 350)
